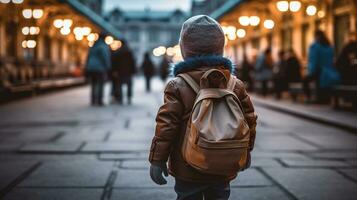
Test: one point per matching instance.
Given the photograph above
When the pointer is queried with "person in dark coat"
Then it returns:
(321, 68)
(263, 70)
(347, 61)
(279, 77)
(123, 71)
(97, 67)
(164, 69)
(293, 67)
(149, 70)
(247, 68)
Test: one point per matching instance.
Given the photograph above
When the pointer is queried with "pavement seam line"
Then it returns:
(19, 179)
(280, 186)
(108, 188)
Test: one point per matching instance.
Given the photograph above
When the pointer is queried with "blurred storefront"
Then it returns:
(253, 25)
(46, 40)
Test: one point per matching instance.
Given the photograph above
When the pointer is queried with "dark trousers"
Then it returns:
(198, 191)
(264, 88)
(148, 83)
(129, 90)
(97, 80)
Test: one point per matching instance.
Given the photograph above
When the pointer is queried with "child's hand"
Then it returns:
(156, 170)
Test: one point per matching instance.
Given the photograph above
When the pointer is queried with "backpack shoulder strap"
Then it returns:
(232, 83)
(189, 80)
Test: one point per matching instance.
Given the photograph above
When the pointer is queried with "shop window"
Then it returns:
(11, 39)
(304, 39)
(286, 38)
(47, 47)
(342, 27)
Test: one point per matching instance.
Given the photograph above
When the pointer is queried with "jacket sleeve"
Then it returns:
(168, 121)
(248, 110)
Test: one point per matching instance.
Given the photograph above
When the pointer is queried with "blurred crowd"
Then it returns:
(118, 67)
(323, 72)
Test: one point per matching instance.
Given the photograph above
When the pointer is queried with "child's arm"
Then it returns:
(168, 121)
(248, 109)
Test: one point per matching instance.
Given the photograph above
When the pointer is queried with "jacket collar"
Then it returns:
(202, 61)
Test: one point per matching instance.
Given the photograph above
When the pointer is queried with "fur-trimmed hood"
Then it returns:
(202, 61)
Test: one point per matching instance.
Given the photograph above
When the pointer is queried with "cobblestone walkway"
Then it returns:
(57, 147)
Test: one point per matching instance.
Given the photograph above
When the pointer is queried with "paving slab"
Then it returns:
(283, 143)
(130, 136)
(70, 174)
(70, 147)
(312, 184)
(265, 162)
(313, 163)
(10, 170)
(135, 164)
(257, 193)
(124, 156)
(352, 162)
(54, 194)
(129, 178)
(7, 147)
(276, 154)
(71, 137)
(147, 194)
(350, 172)
(334, 155)
(332, 141)
(250, 177)
(29, 137)
(99, 147)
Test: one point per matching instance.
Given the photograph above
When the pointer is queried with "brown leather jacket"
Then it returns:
(171, 122)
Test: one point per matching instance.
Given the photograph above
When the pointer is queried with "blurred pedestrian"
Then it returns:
(97, 67)
(164, 68)
(123, 70)
(347, 61)
(203, 66)
(149, 70)
(279, 75)
(321, 69)
(247, 69)
(293, 67)
(264, 70)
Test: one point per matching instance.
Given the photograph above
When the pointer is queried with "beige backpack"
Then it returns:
(217, 134)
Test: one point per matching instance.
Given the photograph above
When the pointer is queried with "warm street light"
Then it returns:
(34, 30)
(244, 20)
(92, 37)
(170, 51)
(31, 44)
(159, 51)
(86, 30)
(79, 37)
(24, 44)
(109, 40)
(269, 24)
(27, 13)
(25, 30)
(116, 45)
(321, 14)
(282, 6)
(311, 10)
(294, 6)
(241, 33)
(37, 13)
(65, 30)
(67, 23)
(5, 1)
(58, 23)
(16, 1)
(254, 20)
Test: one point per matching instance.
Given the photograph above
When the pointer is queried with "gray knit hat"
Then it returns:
(201, 35)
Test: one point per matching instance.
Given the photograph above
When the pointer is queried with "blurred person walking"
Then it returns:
(123, 70)
(204, 67)
(347, 61)
(164, 68)
(149, 70)
(279, 75)
(321, 69)
(97, 67)
(246, 71)
(263, 70)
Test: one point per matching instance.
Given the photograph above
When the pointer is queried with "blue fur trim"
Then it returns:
(202, 61)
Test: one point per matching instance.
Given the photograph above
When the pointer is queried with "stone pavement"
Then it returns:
(57, 147)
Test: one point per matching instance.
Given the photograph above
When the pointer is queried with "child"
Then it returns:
(201, 42)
